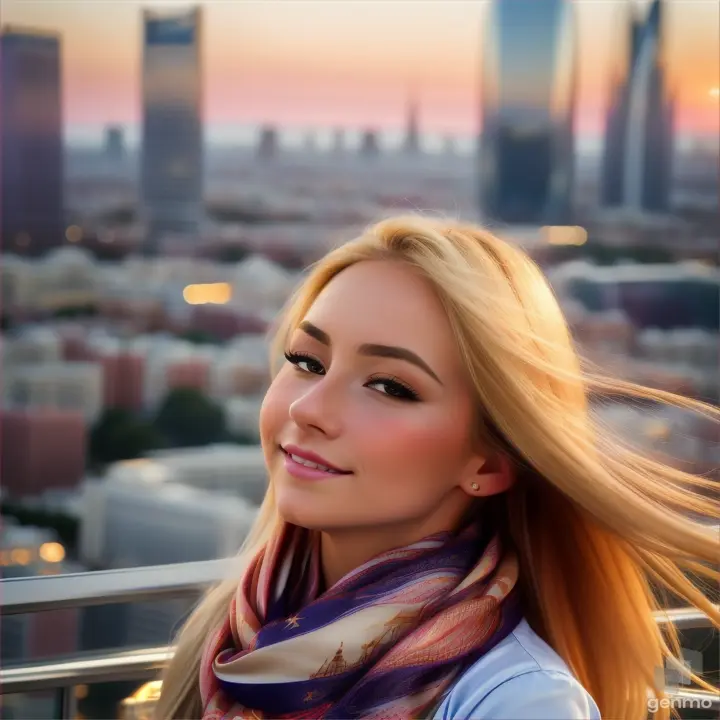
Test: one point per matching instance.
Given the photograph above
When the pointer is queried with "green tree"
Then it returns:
(120, 435)
(71, 311)
(603, 254)
(120, 216)
(242, 438)
(199, 337)
(232, 253)
(188, 418)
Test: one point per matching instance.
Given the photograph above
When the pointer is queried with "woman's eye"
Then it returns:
(305, 363)
(395, 388)
(392, 387)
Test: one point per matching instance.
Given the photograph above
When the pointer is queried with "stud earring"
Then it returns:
(475, 486)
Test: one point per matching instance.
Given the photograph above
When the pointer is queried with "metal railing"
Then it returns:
(105, 587)
(78, 590)
(36, 594)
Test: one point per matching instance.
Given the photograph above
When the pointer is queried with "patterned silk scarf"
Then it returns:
(386, 641)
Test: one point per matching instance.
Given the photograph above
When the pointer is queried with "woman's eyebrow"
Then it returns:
(373, 349)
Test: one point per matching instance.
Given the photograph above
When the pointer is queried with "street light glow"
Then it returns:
(208, 293)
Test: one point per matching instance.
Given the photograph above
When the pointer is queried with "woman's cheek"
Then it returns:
(274, 410)
(383, 437)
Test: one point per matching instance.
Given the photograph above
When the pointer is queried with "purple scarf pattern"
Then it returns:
(386, 641)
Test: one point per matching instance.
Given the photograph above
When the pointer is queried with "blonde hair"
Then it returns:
(602, 531)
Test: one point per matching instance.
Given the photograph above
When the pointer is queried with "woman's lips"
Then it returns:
(299, 465)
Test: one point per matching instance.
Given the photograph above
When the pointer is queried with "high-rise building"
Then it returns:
(268, 143)
(31, 138)
(172, 134)
(449, 146)
(411, 144)
(338, 143)
(114, 143)
(637, 160)
(649, 145)
(310, 142)
(369, 145)
(528, 107)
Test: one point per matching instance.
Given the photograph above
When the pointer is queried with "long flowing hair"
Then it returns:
(604, 532)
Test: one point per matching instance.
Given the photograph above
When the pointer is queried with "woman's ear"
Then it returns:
(495, 475)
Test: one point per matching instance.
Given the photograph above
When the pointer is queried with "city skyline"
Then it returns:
(288, 70)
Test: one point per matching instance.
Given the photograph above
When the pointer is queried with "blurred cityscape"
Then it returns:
(140, 273)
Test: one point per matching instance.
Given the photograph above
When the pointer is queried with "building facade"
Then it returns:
(31, 138)
(638, 153)
(123, 374)
(663, 296)
(139, 516)
(528, 108)
(43, 449)
(64, 386)
(172, 133)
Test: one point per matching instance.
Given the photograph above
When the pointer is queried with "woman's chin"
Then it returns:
(303, 512)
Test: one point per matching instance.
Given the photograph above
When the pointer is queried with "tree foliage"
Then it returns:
(602, 254)
(188, 418)
(121, 435)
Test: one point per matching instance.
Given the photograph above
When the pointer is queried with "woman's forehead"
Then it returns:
(386, 302)
(384, 291)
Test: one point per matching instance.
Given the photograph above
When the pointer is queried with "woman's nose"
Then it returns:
(319, 408)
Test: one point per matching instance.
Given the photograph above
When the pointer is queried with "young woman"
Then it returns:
(448, 532)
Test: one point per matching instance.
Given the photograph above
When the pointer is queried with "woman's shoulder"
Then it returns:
(522, 677)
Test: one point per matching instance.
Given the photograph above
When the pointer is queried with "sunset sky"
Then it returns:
(351, 62)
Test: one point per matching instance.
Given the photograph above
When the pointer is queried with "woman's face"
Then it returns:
(374, 386)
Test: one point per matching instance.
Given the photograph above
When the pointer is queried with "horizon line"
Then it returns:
(225, 134)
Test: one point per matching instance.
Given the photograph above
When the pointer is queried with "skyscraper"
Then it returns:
(31, 142)
(172, 135)
(528, 107)
(338, 142)
(637, 160)
(411, 144)
(114, 143)
(369, 145)
(268, 145)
